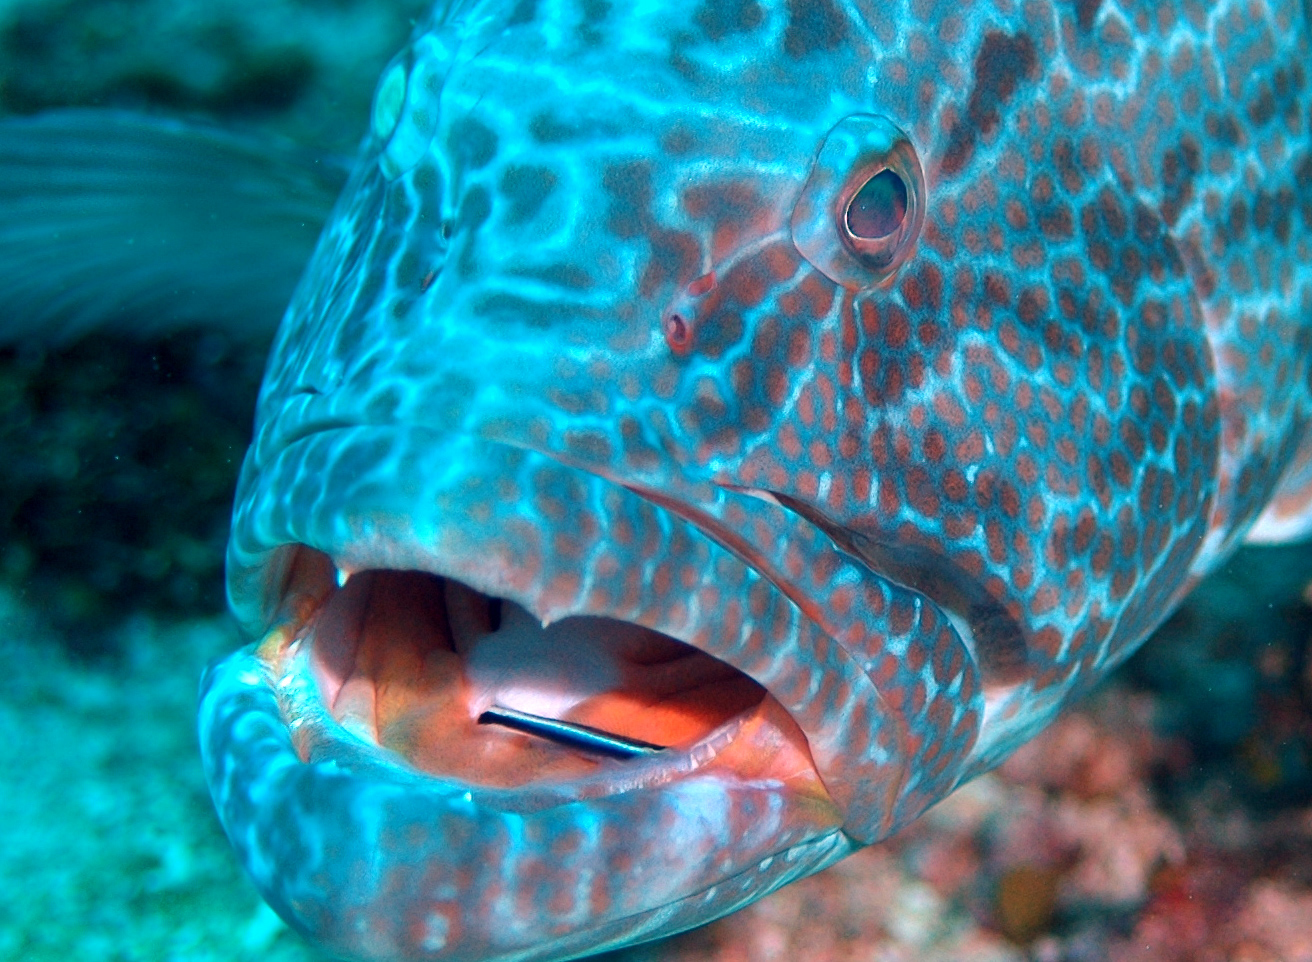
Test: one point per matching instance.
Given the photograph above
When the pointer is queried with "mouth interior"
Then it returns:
(472, 687)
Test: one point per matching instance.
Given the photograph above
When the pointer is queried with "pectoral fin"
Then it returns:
(1288, 515)
(147, 225)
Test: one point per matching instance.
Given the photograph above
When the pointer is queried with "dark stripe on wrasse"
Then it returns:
(582, 737)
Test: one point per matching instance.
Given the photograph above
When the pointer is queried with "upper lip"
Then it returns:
(717, 510)
(821, 666)
(707, 506)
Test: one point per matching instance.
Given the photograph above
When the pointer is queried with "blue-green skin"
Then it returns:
(924, 499)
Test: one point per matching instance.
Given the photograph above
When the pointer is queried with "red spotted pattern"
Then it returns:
(585, 343)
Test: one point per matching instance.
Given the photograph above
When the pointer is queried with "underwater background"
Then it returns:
(1167, 817)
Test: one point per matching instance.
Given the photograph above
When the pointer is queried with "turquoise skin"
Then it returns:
(914, 362)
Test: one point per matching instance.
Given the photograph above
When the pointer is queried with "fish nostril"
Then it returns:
(678, 325)
(677, 333)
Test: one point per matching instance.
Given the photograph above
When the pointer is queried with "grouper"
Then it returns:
(708, 433)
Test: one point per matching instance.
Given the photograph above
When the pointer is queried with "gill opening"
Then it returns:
(994, 638)
(735, 544)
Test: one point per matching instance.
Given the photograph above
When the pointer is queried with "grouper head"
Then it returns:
(633, 524)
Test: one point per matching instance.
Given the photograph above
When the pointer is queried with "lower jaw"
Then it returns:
(382, 820)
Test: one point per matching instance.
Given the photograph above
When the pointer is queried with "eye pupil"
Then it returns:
(879, 207)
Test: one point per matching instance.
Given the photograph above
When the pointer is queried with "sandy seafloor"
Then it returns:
(1167, 817)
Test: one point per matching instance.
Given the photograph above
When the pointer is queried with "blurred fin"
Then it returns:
(1288, 515)
(146, 225)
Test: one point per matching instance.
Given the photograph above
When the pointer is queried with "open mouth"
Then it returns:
(482, 726)
(467, 687)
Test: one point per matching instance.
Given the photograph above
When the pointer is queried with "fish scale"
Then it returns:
(592, 329)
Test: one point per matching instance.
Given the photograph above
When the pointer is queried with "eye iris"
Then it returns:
(879, 207)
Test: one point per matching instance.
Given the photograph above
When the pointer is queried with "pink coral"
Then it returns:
(1055, 856)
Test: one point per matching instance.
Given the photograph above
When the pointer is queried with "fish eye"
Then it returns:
(404, 116)
(878, 209)
(389, 100)
(859, 215)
